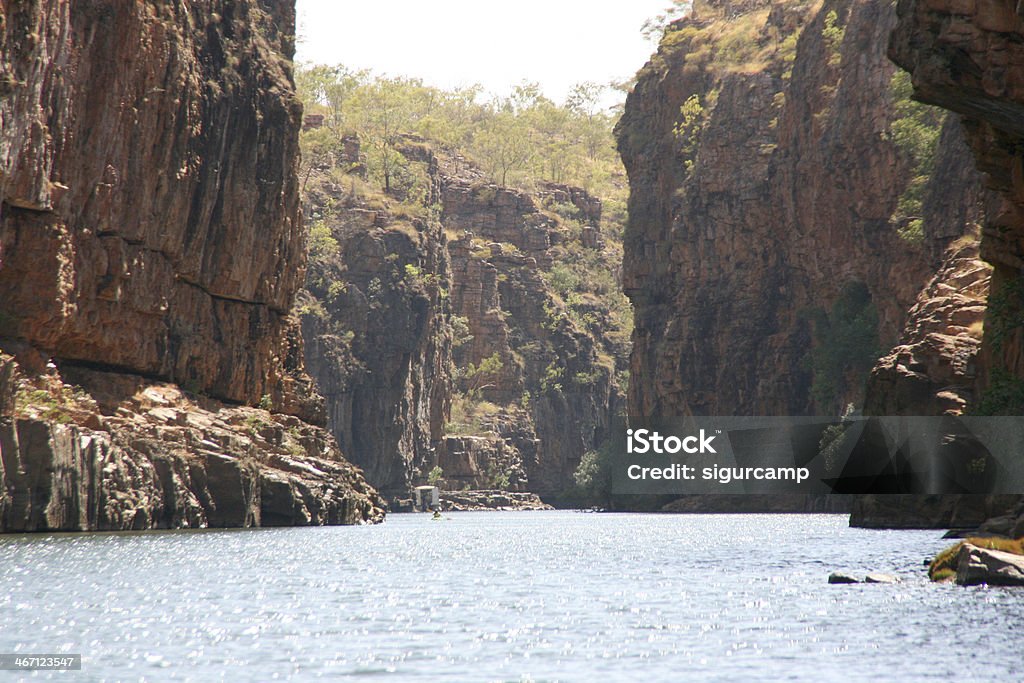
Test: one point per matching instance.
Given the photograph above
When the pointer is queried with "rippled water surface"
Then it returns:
(506, 596)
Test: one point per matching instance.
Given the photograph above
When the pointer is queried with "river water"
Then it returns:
(510, 596)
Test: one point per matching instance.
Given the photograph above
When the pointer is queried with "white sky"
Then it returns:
(449, 43)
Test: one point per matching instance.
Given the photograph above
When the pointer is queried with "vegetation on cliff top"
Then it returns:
(518, 139)
(381, 145)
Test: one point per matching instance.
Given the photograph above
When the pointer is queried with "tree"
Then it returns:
(384, 110)
(504, 145)
(330, 87)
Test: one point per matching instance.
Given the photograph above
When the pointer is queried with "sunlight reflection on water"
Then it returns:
(505, 596)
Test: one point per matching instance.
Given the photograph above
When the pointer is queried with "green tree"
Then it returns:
(383, 111)
(503, 145)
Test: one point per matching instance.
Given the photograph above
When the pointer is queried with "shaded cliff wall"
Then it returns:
(375, 317)
(751, 218)
(150, 235)
(967, 57)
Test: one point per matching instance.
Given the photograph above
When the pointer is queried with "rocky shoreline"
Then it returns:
(115, 452)
(480, 500)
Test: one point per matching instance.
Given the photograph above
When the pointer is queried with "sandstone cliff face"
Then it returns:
(437, 339)
(966, 57)
(774, 203)
(150, 202)
(375, 320)
(934, 368)
(149, 235)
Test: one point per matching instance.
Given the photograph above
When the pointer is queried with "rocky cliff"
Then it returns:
(440, 334)
(794, 214)
(966, 57)
(781, 226)
(149, 230)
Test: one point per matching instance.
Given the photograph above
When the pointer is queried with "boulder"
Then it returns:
(842, 577)
(976, 566)
(878, 577)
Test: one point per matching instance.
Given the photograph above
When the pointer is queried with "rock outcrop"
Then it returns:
(130, 454)
(978, 566)
(150, 230)
(940, 511)
(491, 500)
(934, 368)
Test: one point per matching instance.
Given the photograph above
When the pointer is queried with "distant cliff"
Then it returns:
(784, 213)
(440, 335)
(150, 240)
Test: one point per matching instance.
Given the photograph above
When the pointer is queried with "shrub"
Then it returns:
(593, 476)
(846, 343)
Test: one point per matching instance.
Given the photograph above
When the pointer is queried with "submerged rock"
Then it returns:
(842, 577)
(878, 577)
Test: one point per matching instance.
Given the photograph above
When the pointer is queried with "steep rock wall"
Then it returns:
(752, 218)
(967, 57)
(378, 339)
(150, 235)
(389, 285)
(149, 195)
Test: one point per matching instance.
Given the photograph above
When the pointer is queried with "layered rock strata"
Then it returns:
(149, 229)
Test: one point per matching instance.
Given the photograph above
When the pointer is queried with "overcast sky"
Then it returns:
(449, 43)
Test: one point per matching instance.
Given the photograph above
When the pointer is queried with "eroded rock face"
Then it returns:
(150, 240)
(383, 299)
(149, 196)
(120, 453)
(761, 210)
(934, 368)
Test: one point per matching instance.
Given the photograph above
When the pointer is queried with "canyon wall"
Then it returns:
(966, 57)
(785, 230)
(437, 337)
(150, 230)
(770, 255)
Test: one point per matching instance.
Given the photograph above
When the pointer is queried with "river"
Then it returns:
(527, 596)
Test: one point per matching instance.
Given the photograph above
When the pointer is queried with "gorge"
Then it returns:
(202, 325)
